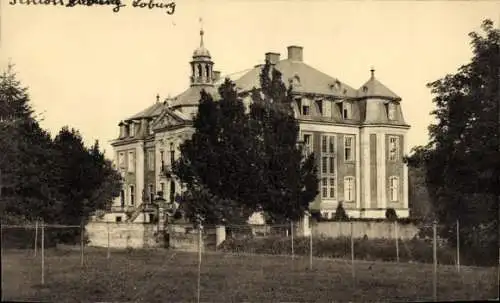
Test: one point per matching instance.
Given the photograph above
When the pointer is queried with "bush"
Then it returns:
(391, 215)
(340, 214)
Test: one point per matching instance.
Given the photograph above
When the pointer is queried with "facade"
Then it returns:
(358, 136)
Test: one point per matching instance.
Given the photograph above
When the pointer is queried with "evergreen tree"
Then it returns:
(214, 162)
(290, 180)
(26, 156)
(237, 162)
(340, 214)
(462, 161)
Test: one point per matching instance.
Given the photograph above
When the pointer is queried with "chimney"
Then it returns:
(295, 53)
(216, 75)
(273, 58)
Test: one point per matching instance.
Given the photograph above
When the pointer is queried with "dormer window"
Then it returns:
(305, 110)
(319, 106)
(150, 128)
(346, 110)
(305, 107)
(132, 129)
(391, 111)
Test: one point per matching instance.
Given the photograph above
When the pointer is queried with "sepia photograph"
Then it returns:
(249, 151)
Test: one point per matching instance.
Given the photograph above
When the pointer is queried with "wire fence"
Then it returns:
(289, 262)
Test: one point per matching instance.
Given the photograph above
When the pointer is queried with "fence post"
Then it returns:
(397, 240)
(36, 236)
(1, 241)
(352, 255)
(43, 253)
(311, 249)
(291, 233)
(458, 246)
(434, 248)
(109, 252)
(200, 230)
(82, 230)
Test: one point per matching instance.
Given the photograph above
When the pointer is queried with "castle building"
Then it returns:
(359, 137)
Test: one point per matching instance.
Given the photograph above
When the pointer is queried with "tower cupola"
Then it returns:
(202, 65)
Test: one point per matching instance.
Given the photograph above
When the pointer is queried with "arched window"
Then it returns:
(208, 71)
(199, 70)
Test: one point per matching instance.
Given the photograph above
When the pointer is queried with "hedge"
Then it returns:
(415, 250)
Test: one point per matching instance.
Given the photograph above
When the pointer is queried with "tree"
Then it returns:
(239, 162)
(462, 160)
(25, 155)
(87, 181)
(215, 163)
(290, 178)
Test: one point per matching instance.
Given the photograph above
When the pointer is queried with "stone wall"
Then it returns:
(122, 235)
(372, 230)
(185, 237)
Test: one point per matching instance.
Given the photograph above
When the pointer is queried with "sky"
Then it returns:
(89, 67)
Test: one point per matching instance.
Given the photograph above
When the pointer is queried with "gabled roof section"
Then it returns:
(305, 79)
(374, 88)
(168, 118)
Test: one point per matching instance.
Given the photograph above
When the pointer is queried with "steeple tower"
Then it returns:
(202, 65)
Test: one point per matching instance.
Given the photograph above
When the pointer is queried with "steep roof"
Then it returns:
(192, 95)
(306, 79)
(374, 88)
(151, 111)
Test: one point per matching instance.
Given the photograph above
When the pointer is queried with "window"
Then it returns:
(132, 129)
(393, 148)
(324, 187)
(118, 218)
(319, 105)
(151, 160)
(328, 187)
(151, 193)
(305, 107)
(122, 198)
(199, 71)
(172, 191)
(132, 195)
(305, 110)
(391, 111)
(349, 148)
(172, 154)
(328, 167)
(162, 158)
(346, 110)
(307, 144)
(393, 188)
(131, 162)
(349, 189)
(162, 187)
(121, 160)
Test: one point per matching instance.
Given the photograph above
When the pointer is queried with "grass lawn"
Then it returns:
(169, 276)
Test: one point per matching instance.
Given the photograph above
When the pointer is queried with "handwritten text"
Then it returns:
(168, 6)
